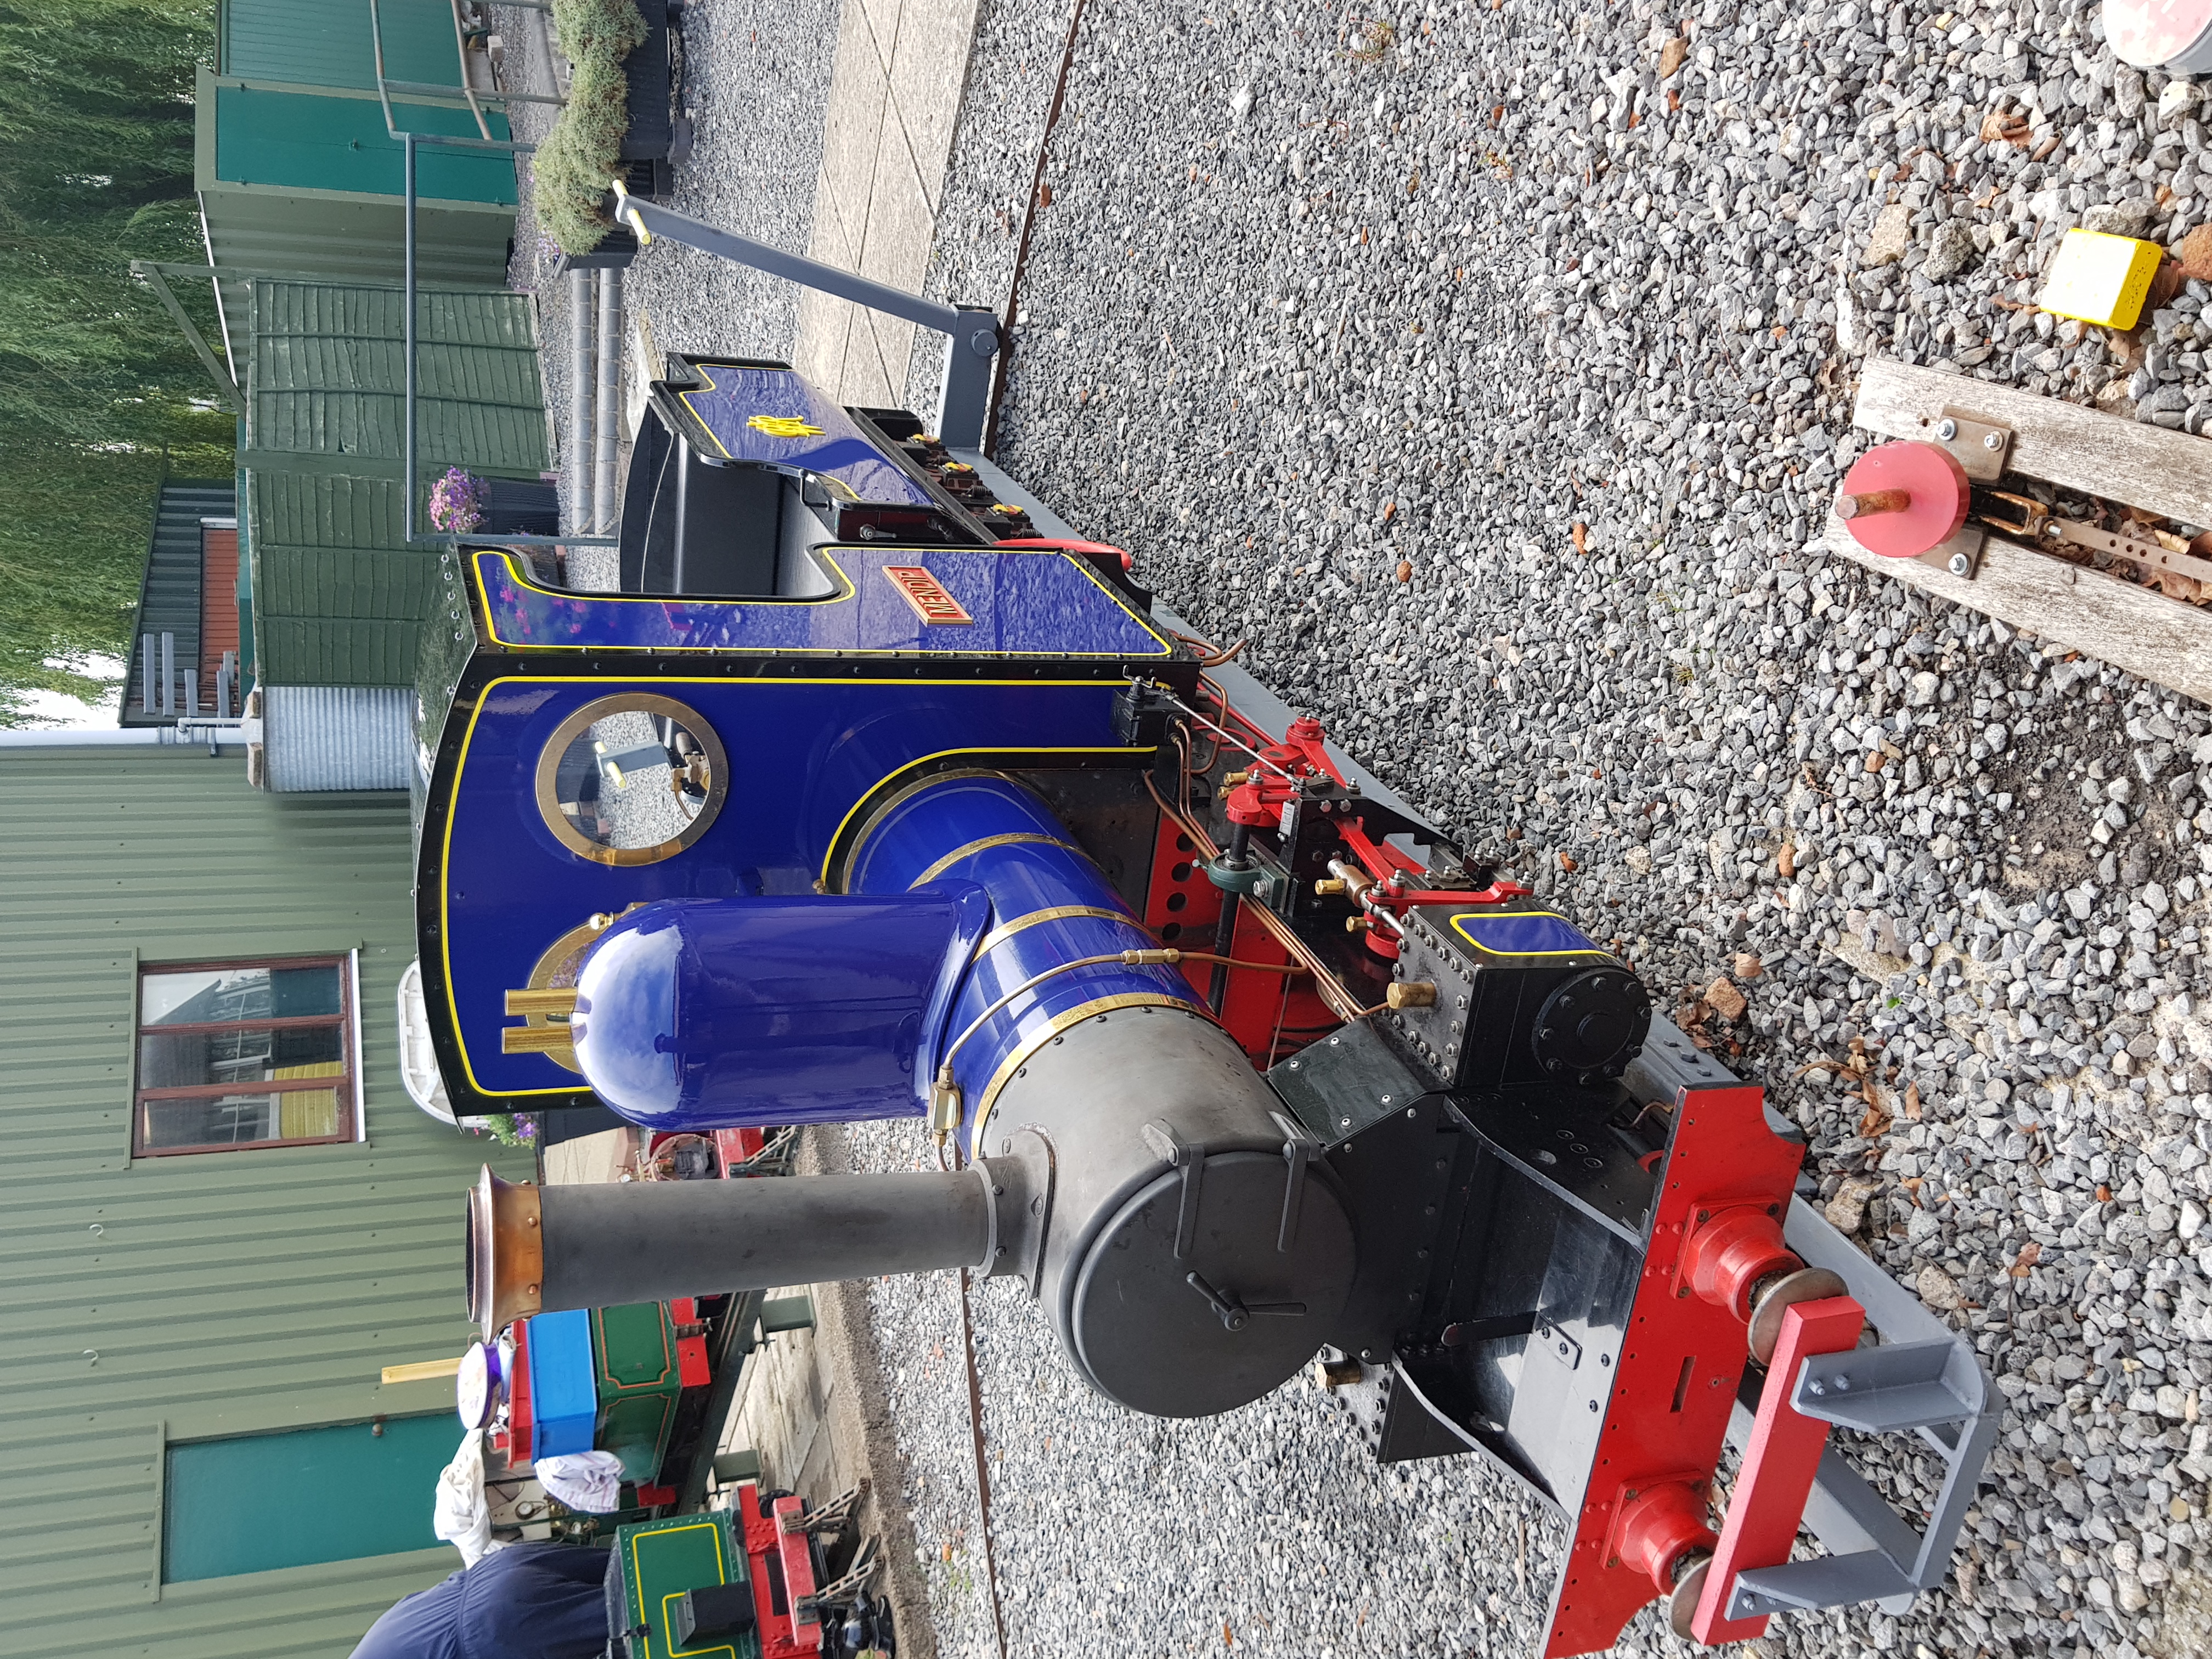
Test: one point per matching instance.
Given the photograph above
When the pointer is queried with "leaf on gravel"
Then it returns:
(1405, 570)
(2005, 127)
(1746, 965)
(1567, 864)
(1912, 1101)
(1582, 538)
(1413, 184)
(2030, 1253)
(1876, 1123)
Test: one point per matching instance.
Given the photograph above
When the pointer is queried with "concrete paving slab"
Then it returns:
(894, 102)
(927, 75)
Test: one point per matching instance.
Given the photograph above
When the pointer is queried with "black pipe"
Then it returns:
(605, 1246)
(1238, 857)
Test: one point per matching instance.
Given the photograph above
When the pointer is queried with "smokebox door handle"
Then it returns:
(1178, 1154)
(1298, 1148)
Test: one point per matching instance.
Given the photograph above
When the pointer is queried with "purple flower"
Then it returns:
(457, 502)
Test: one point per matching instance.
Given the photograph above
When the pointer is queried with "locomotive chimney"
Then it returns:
(539, 1249)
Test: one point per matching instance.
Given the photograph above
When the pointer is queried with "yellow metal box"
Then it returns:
(2100, 279)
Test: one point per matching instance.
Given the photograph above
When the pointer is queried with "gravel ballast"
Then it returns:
(1567, 319)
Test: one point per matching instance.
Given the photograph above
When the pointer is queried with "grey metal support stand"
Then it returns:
(574, 453)
(972, 332)
(607, 437)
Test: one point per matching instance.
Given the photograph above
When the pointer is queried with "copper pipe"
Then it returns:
(1330, 989)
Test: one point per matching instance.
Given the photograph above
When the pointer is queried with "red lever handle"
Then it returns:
(1778, 1466)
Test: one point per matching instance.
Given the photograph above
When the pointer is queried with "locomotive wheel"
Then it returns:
(1689, 1587)
(1767, 1306)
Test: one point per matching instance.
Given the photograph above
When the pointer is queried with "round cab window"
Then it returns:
(631, 779)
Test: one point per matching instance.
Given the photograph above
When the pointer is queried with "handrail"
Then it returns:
(410, 290)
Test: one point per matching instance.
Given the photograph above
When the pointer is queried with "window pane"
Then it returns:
(208, 996)
(255, 1054)
(213, 1120)
(633, 781)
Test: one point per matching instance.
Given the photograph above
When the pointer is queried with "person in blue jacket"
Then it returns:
(526, 1602)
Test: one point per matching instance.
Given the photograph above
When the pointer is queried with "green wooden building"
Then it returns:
(334, 591)
(222, 1215)
(297, 171)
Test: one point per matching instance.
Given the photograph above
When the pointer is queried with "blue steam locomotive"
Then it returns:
(875, 792)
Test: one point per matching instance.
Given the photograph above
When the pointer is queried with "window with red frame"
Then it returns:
(241, 1054)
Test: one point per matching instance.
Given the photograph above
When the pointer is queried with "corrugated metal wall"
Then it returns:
(337, 737)
(199, 1295)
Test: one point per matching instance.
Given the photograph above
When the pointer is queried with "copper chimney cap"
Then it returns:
(505, 1253)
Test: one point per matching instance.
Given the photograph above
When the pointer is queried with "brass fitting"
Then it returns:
(945, 1106)
(542, 999)
(1328, 887)
(535, 1039)
(1232, 779)
(1411, 994)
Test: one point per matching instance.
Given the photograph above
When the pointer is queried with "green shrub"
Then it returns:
(584, 149)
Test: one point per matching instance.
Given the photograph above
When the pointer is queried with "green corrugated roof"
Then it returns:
(336, 593)
(325, 376)
(229, 1293)
(328, 43)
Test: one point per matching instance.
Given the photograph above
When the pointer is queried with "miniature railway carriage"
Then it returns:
(873, 794)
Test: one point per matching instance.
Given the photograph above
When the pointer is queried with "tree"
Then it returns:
(96, 380)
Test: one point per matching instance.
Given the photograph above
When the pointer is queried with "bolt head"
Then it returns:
(1960, 564)
(1992, 440)
(1947, 430)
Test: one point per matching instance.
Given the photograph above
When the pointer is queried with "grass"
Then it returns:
(574, 164)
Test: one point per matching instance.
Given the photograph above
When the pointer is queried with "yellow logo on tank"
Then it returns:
(783, 426)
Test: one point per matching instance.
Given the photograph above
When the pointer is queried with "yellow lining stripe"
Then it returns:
(1006, 931)
(637, 1579)
(837, 838)
(1591, 950)
(468, 738)
(1166, 648)
(1024, 1051)
(1012, 838)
